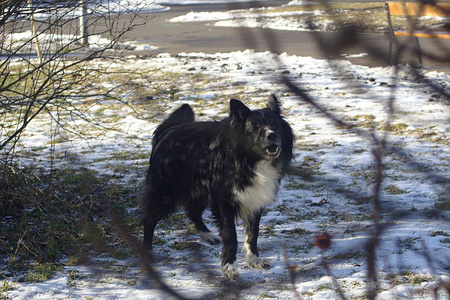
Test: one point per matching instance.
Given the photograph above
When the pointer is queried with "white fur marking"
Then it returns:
(255, 262)
(230, 271)
(246, 246)
(252, 260)
(262, 191)
(210, 238)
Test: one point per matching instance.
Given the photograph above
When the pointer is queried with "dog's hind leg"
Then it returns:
(195, 214)
(251, 225)
(153, 213)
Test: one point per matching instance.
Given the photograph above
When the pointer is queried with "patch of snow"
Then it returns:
(330, 188)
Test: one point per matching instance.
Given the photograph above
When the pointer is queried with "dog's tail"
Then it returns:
(183, 115)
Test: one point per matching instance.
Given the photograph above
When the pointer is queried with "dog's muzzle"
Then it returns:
(273, 143)
(273, 150)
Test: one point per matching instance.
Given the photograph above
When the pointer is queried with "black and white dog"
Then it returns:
(232, 167)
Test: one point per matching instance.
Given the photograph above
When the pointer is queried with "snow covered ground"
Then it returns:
(265, 18)
(330, 187)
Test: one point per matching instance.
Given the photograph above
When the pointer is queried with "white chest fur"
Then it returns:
(262, 191)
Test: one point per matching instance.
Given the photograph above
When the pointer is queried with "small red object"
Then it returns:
(323, 241)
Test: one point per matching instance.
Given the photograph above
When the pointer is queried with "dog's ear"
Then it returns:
(183, 115)
(274, 105)
(238, 109)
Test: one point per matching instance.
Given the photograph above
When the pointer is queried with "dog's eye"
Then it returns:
(255, 128)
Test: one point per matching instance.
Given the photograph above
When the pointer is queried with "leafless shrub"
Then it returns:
(51, 32)
(44, 68)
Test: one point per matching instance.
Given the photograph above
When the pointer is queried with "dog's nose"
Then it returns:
(272, 136)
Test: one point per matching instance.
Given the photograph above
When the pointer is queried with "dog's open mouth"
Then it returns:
(272, 149)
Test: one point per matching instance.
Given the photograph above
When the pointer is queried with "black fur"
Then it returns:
(232, 167)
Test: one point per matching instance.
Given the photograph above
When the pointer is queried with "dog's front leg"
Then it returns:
(251, 225)
(228, 235)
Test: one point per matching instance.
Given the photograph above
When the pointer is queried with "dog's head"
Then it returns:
(263, 128)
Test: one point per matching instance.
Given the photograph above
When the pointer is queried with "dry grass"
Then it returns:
(364, 16)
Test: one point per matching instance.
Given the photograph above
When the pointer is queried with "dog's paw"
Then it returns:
(230, 271)
(253, 261)
(210, 238)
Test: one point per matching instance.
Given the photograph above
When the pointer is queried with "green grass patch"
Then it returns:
(303, 248)
(393, 190)
(295, 185)
(48, 216)
(438, 233)
(408, 277)
(368, 174)
(349, 255)
(443, 204)
(298, 231)
(187, 245)
(399, 127)
(358, 151)
(306, 170)
(6, 286)
(323, 287)
(42, 272)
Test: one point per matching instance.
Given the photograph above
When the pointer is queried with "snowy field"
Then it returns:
(329, 189)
